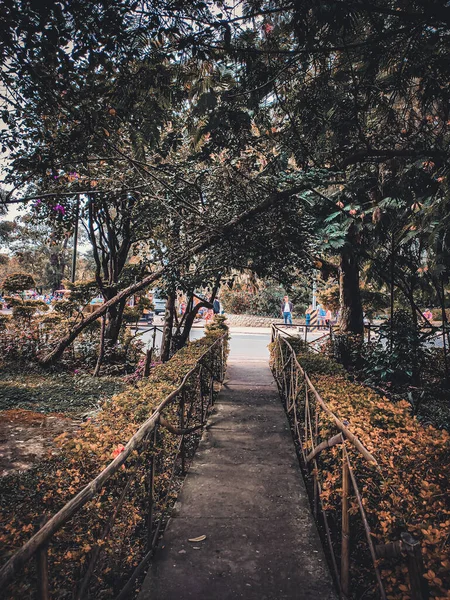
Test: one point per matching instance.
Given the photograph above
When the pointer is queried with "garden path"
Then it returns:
(245, 493)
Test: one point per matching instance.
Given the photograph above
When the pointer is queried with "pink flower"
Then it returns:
(59, 208)
(268, 28)
(118, 450)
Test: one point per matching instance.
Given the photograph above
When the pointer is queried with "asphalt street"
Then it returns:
(250, 343)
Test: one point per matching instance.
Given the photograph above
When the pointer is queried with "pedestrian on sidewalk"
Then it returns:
(428, 315)
(286, 310)
(321, 316)
(308, 318)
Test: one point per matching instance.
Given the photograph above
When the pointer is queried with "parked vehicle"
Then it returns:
(159, 303)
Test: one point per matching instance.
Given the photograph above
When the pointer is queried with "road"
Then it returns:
(249, 346)
(245, 342)
(246, 345)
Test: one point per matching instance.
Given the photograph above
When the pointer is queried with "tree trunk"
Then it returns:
(351, 313)
(168, 327)
(207, 242)
(190, 318)
(114, 316)
(101, 352)
(412, 305)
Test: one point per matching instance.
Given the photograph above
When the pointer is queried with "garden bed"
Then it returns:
(55, 480)
(27, 436)
(37, 406)
(44, 392)
(408, 491)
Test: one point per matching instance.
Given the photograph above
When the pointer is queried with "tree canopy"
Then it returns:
(204, 137)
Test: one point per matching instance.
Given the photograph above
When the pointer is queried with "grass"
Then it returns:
(60, 392)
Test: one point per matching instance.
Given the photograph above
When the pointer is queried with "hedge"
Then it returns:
(409, 490)
(54, 481)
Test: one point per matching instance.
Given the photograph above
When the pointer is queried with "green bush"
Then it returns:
(346, 349)
(217, 325)
(132, 314)
(320, 364)
(399, 354)
(23, 312)
(18, 282)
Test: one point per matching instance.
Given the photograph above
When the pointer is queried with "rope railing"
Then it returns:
(310, 416)
(190, 403)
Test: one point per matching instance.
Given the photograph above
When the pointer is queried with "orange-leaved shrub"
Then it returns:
(122, 504)
(408, 491)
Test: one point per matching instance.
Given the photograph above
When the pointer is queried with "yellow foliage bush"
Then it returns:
(409, 489)
(27, 497)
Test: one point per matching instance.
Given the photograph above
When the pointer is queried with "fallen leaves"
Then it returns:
(200, 538)
(409, 490)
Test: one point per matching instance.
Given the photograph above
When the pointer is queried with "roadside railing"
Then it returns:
(141, 475)
(310, 416)
(305, 332)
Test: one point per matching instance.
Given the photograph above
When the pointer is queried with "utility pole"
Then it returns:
(314, 291)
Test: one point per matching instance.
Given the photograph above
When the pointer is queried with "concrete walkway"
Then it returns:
(245, 493)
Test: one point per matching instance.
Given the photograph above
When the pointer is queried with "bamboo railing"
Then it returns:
(306, 411)
(191, 401)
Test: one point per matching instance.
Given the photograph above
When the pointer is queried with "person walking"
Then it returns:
(321, 316)
(428, 315)
(308, 318)
(286, 310)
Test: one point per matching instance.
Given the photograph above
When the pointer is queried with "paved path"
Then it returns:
(245, 493)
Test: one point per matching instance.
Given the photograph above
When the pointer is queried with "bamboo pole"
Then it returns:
(345, 532)
(182, 421)
(327, 528)
(42, 573)
(42, 570)
(211, 391)
(151, 490)
(366, 526)
(316, 491)
(333, 441)
(418, 584)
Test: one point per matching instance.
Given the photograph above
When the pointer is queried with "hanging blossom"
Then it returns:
(60, 209)
(73, 176)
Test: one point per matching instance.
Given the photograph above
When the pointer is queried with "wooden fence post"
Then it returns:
(211, 391)
(418, 584)
(200, 391)
(345, 539)
(183, 449)
(42, 569)
(151, 491)
(315, 485)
